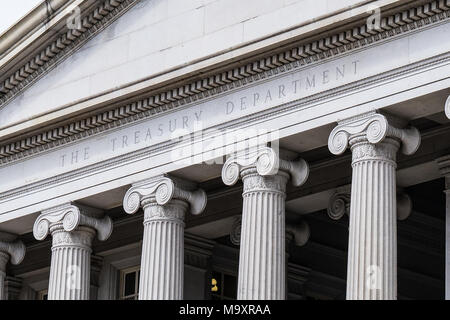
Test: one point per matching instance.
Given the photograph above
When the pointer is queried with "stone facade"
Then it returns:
(266, 150)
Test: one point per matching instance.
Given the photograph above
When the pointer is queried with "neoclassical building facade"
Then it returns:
(225, 149)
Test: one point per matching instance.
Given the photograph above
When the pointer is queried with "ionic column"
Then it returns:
(262, 271)
(10, 250)
(372, 251)
(73, 228)
(299, 235)
(13, 286)
(96, 267)
(447, 107)
(339, 204)
(444, 167)
(165, 201)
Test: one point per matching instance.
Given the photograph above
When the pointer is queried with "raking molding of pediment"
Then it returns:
(91, 23)
(394, 25)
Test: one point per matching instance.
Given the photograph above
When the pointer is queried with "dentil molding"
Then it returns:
(328, 47)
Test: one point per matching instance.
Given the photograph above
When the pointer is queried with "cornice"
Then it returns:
(296, 58)
(161, 147)
(31, 24)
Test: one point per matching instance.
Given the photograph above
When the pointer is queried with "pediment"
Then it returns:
(105, 55)
(124, 42)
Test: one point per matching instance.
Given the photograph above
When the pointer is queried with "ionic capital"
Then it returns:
(339, 204)
(404, 205)
(300, 232)
(235, 233)
(447, 107)
(375, 127)
(15, 249)
(267, 162)
(71, 216)
(444, 169)
(162, 189)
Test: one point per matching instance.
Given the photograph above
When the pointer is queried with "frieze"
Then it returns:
(81, 237)
(118, 160)
(272, 66)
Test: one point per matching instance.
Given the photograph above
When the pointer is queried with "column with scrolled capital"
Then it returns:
(339, 204)
(73, 228)
(447, 107)
(165, 201)
(11, 250)
(262, 271)
(444, 168)
(372, 252)
(297, 234)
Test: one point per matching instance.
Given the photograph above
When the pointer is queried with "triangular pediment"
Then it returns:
(121, 48)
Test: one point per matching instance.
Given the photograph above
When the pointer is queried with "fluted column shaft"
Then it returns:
(165, 201)
(374, 139)
(262, 260)
(4, 257)
(372, 253)
(447, 241)
(70, 263)
(73, 228)
(162, 264)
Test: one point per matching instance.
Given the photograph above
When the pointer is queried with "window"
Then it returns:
(42, 295)
(129, 283)
(225, 288)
